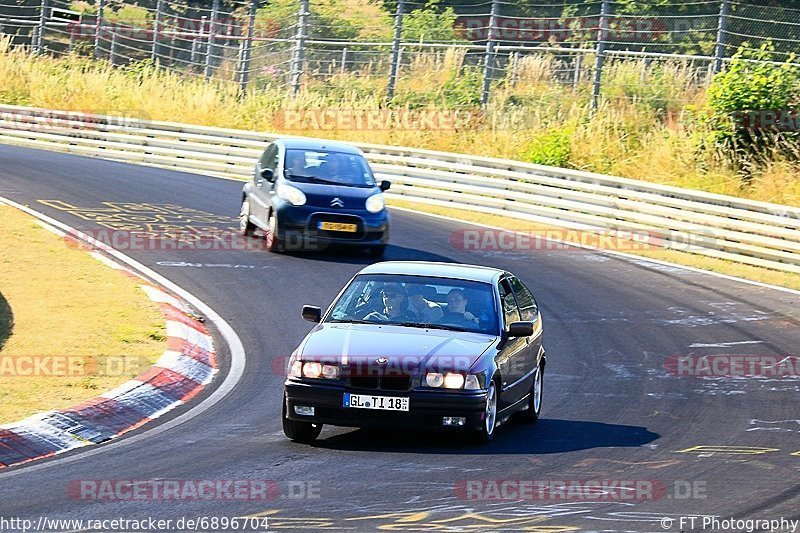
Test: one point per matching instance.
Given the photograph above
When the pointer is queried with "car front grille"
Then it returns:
(389, 383)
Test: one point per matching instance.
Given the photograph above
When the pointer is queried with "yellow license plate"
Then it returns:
(338, 226)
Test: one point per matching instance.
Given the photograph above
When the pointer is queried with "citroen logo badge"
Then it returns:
(337, 202)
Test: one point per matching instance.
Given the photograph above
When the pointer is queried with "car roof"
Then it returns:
(307, 143)
(439, 270)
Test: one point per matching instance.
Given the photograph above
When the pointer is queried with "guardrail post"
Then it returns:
(157, 29)
(398, 35)
(247, 48)
(98, 29)
(490, 59)
(300, 47)
(40, 32)
(212, 35)
(602, 36)
(722, 29)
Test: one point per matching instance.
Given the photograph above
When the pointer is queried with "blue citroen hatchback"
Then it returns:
(312, 193)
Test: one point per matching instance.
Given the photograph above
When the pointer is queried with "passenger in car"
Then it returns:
(429, 312)
(457, 313)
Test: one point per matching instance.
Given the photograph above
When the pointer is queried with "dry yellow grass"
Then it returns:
(763, 275)
(66, 304)
(625, 138)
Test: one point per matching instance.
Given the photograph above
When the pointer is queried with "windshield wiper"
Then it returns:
(429, 326)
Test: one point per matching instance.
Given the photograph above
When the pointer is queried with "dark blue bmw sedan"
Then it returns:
(313, 193)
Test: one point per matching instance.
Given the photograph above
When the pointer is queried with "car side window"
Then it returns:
(270, 158)
(510, 311)
(527, 305)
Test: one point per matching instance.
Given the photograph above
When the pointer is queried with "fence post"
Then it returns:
(514, 60)
(113, 52)
(489, 61)
(576, 80)
(398, 35)
(300, 47)
(247, 50)
(602, 35)
(157, 29)
(212, 34)
(40, 33)
(722, 28)
(98, 27)
(344, 61)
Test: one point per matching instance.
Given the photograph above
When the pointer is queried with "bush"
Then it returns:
(553, 148)
(749, 86)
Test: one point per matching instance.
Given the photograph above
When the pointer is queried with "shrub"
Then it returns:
(552, 147)
(753, 83)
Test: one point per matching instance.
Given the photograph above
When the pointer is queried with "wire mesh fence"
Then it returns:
(403, 49)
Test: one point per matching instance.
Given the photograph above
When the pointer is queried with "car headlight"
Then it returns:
(293, 195)
(434, 379)
(295, 369)
(330, 371)
(454, 381)
(312, 370)
(376, 203)
(472, 382)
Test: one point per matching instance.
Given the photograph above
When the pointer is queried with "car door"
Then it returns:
(512, 355)
(529, 312)
(262, 189)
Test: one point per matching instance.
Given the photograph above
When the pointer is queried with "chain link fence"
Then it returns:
(401, 49)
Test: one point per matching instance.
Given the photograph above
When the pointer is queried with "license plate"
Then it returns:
(366, 401)
(338, 226)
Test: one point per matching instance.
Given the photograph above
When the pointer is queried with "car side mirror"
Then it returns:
(520, 329)
(312, 313)
(385, 185)
(268, 174)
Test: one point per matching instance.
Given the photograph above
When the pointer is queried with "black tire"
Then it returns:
(489, 428)
(246, 228)
(296, 431)
(272, 237)
(533, 411)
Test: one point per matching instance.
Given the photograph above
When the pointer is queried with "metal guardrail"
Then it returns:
(736, 229)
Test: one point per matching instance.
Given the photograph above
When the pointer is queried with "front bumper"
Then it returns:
(427, 408)
(298, 227)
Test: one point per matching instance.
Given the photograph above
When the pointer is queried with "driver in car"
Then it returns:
(457, 313)
(296, 166)
(395, 305)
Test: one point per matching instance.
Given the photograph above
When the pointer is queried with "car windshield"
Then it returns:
(320, 166)
(419, 302)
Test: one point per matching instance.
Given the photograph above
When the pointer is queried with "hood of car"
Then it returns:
(396, 346)
(324, 195)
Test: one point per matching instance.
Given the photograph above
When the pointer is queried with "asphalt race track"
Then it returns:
(728, 447)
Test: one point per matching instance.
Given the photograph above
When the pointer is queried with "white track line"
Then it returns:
(229, 335)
